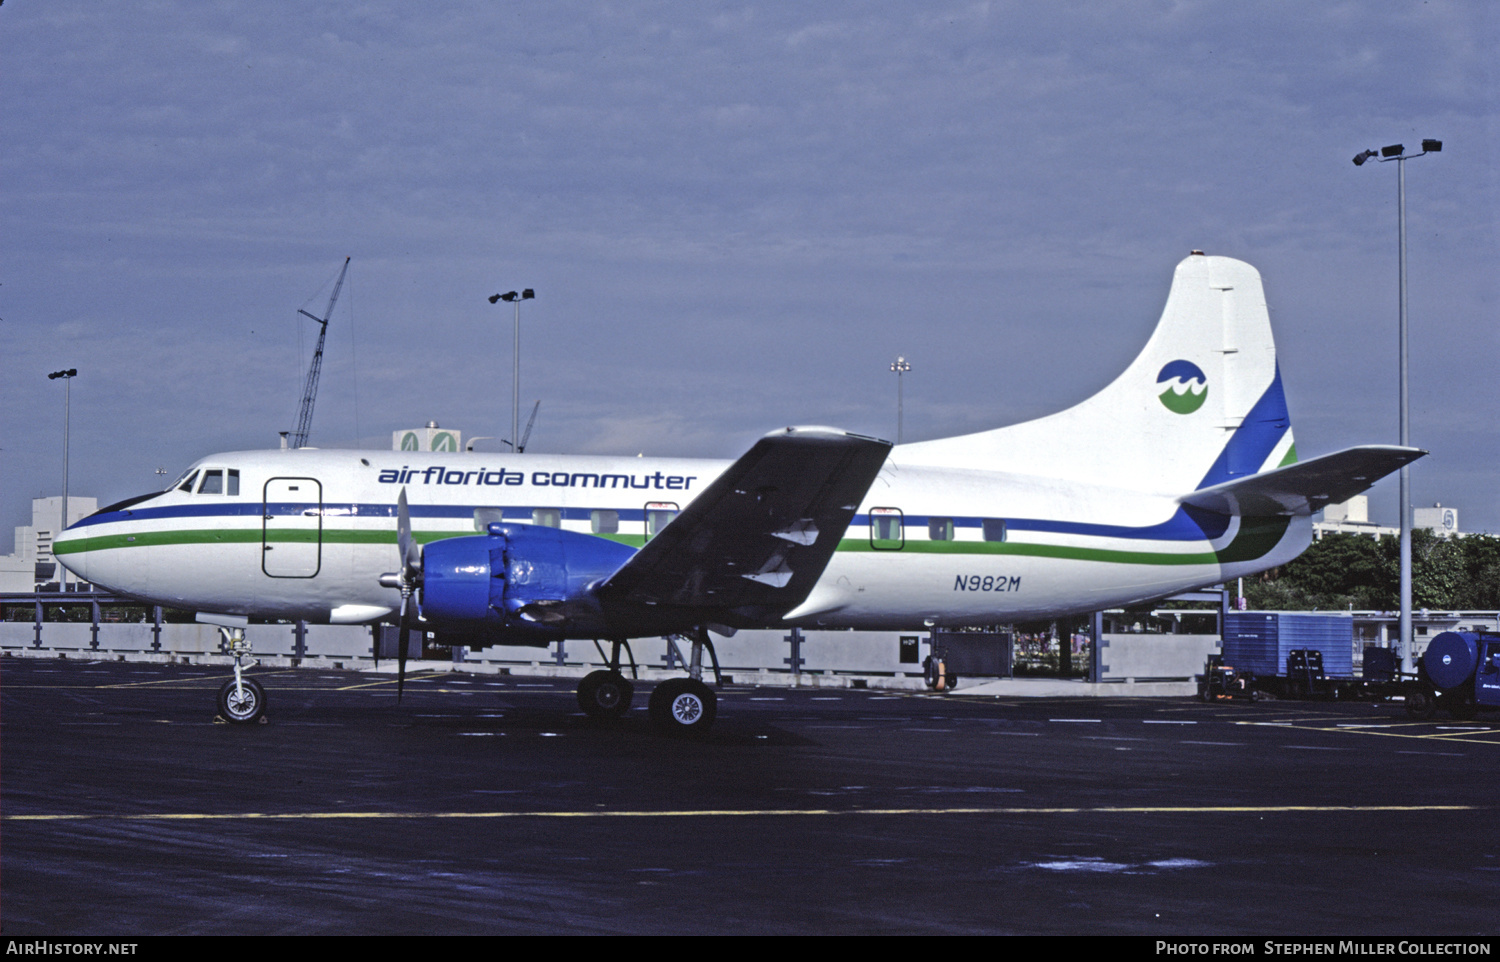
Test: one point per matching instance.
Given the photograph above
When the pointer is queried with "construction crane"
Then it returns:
(526, 435)
(310, 393)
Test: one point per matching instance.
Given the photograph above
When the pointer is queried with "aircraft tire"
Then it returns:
(683, 706)
(242, 709)
(605, 694)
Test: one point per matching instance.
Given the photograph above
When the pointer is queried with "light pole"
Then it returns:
(515, 381)
(67, 376)
(900, 366)
(1397, 152)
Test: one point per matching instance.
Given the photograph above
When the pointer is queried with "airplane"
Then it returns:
(1180, 473)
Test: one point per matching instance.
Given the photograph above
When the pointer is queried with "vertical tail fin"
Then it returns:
(1201, 404)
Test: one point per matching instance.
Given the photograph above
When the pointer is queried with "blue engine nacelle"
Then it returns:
(528, 582)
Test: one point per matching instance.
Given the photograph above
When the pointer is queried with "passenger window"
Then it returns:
(547, 517)
(994, 529)
(605, 522)
(213, 482)
(939, 529)
(484, 517)
(188, 484)
(886, 530)
(658, 514)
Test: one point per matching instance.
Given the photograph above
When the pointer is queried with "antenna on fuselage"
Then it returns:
(310, 392)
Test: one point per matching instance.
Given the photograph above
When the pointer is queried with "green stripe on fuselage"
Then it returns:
(1256, 538)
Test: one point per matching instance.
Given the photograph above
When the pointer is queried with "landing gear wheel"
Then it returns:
(1420, 704)
(605, 694)
(243, 706)
(683, 706)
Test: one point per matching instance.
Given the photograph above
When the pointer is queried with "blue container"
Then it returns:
(1450, 658)
(1259, 641)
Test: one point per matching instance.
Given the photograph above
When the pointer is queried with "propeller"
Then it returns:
(408, 579)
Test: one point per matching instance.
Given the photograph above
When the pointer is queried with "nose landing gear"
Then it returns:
(242, 701)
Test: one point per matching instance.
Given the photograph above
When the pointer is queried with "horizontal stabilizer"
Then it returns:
(761, 534)
(1305, 487)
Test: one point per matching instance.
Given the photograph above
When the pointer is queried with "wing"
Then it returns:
(754, 543)
(1305, 487)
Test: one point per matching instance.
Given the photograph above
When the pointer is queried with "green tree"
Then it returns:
(1437, 571)
(1338, 571)
(1481, 562)
(1351, 570)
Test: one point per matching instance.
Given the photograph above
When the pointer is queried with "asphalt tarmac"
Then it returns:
(492, 805)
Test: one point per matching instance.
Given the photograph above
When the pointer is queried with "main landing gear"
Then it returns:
(678, 706)
(605, 694)
(687, 706)
(683, 706)
(242, 701)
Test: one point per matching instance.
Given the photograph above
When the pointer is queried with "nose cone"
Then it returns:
(71, 551)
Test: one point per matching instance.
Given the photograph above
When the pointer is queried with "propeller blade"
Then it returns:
(401, 652)
(410, 579)
(404, 541)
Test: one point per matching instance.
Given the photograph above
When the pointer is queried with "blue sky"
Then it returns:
(735, 217)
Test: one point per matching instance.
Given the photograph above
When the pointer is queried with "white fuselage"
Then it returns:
(306, 534)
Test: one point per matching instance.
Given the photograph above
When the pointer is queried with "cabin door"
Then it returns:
(292, 539)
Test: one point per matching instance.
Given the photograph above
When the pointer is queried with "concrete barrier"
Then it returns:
(1142, 657)
(828, 658)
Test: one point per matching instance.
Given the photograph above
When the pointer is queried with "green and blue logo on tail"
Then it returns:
(1186, 387)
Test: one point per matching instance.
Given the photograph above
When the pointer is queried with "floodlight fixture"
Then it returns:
(512, 297)
(1363, 156)
(1431, 146)
(899, 368)
(1394, 150)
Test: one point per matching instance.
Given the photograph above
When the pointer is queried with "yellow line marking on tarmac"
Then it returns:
(385, 682)
(1460, 735)
(185, 682)
(206, 681)
(744, 812)
(390, 683)
(1432, 736)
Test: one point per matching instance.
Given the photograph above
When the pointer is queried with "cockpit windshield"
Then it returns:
(209, 481)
